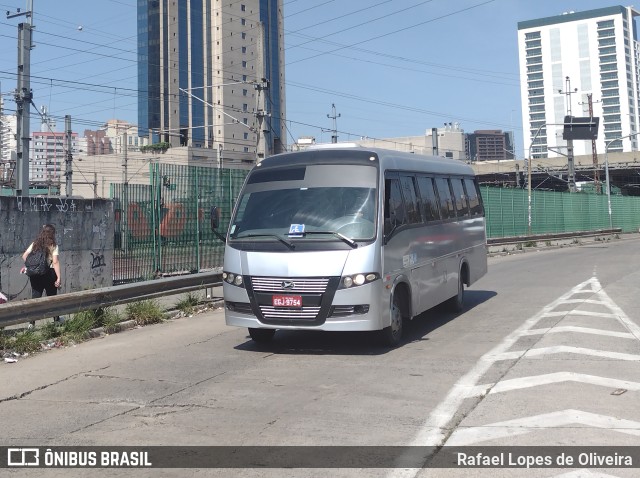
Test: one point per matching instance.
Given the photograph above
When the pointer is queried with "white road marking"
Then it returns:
(584, 473)
(433, 431)
(558, 377)
(586, 301)
(581, 330)
(563, 313)
(559, 419)
(566, 349)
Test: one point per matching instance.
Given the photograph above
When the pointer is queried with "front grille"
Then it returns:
(270, 312)
(316, 293)
(301, 286)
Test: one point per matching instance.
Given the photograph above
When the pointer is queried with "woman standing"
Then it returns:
(50, 280)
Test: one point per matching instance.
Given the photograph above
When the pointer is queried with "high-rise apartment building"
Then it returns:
(47, 159)
(565, 58)
(489, 145)
(211, 75)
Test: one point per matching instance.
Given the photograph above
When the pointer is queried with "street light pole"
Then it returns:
(529, 173)
(606, 171)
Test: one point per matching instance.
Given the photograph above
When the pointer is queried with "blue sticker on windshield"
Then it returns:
(296, 229)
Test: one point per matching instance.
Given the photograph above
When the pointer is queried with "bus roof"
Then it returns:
(350, 153)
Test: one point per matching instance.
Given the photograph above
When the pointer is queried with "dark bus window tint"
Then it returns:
(444, 195)
(460, 198)
(475, 201)
(429, 201)
(410, 200)
(394, 211)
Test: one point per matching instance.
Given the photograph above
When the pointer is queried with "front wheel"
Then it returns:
(392, 335)
(261, 335)
(456, 303)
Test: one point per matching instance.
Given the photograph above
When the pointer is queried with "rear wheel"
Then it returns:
(456, 303)
(392, 335)
(261, 335)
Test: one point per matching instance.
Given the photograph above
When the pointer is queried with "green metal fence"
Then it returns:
(163, 227)
(507, 212)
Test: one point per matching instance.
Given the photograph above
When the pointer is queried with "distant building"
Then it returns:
(111, 139)
(304, 142)
(214, 75)
(489, 145)
(48, 154)
(598, 51)
(8, 142)
(449, 142)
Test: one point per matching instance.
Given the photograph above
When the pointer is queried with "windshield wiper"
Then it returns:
(351, 242)
(284, 241)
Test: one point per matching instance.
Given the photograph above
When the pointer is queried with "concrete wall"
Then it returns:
(616, 160)
(84, 232)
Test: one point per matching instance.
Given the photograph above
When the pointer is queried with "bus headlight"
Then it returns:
(233, 279)
(358, 279)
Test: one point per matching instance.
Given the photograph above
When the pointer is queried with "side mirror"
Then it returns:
(215, 218)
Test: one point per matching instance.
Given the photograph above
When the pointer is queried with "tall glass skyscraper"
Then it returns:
(598, 51)
(211, 75)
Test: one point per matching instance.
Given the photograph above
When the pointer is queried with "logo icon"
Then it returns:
(23, 457)
(287, 284)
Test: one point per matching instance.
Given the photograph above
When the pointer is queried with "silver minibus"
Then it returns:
(345, 238)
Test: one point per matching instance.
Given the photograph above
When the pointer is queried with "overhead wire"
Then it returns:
(122, 90)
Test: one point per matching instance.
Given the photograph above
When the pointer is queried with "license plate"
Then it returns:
(287, 300)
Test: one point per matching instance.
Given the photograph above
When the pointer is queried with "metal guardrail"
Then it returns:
(550, 237)
(13, 313)
(23, 311)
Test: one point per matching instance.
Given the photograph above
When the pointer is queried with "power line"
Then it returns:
(397, 31)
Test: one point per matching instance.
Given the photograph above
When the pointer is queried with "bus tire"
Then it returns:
(261, 335)
(392, 335)
(456, 303)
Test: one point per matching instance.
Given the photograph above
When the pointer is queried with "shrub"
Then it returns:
(187, 304)
(27, 341)
(145, 312)
(111, 320)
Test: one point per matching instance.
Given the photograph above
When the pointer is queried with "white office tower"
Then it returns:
(565, 58)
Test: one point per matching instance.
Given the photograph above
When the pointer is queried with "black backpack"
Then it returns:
(36, 263)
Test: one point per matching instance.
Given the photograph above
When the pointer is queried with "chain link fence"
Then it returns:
(162, 228)
(507, 212)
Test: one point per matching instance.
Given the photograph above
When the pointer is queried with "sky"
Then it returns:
(392, 68)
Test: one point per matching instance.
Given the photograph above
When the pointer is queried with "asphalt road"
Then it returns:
(546, 353)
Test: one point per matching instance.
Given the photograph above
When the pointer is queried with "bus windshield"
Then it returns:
(300, 212)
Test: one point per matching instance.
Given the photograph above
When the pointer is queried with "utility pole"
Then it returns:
(434, 141)
(570, 164)
(263, 147)
(68, 157)
(594, 152)
(125, 194)
(23, 97)
(334, 117)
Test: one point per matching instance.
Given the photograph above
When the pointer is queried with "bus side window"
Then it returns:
(428, 199)
(394, 210)
(444, 196)
(462, 206)
(410, 200)
(475, 204)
